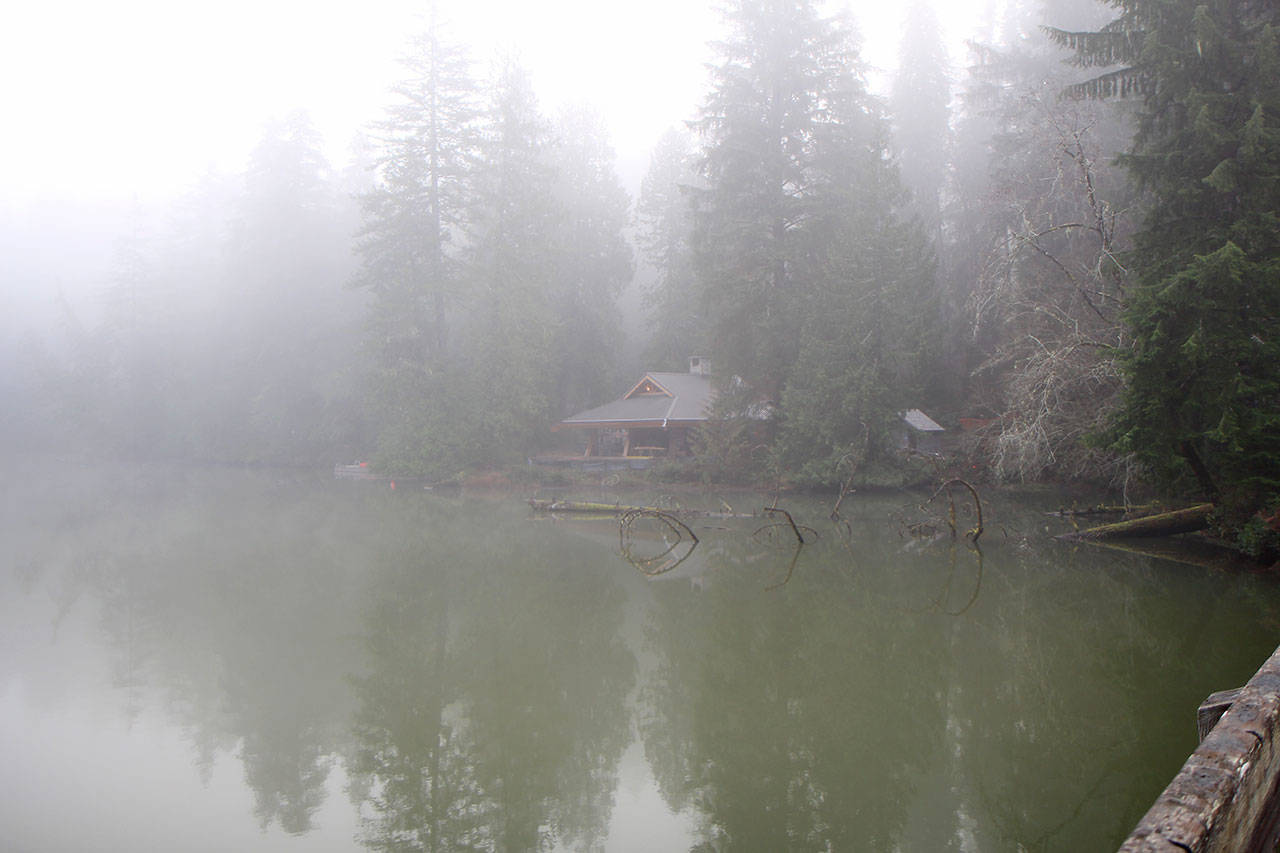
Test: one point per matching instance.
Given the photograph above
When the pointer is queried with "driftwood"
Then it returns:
(543, 505)
(607, 509)
(667, 560)
(973, 534)
(676, 525)
(1186, 520)
(791, 522)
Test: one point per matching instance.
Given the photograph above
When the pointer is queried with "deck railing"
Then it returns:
(1226, 796)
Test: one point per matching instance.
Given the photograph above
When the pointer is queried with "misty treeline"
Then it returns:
(224, 331)
(1070, 244)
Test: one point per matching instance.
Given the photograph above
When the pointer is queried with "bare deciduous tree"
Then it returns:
(1051, 296)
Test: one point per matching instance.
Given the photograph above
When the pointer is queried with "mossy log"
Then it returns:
(1186, 520)
(587, 506)
(613, 510)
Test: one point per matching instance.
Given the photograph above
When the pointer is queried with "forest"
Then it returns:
(1069, 247)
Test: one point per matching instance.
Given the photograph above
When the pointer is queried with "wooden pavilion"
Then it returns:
(654, 418)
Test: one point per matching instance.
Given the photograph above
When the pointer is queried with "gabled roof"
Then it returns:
(917, 419)
(657, 399)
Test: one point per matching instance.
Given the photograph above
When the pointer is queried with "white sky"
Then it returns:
(137, 98)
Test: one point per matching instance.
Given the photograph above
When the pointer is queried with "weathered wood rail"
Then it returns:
(1227, 795)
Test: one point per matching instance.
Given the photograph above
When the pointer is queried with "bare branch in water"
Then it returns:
(665, 561)
(855, 460)
(790, 568)
(791, 521)
(977, 502)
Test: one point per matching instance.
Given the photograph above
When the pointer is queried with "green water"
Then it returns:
(214, 660)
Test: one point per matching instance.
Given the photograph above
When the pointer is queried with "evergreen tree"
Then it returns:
(487, 224)
(818, 296)
(509, 377)
(227, 336)
(664, 220)
(921, 119)
(1204, 373)
(780, 65)
(419, 205)
(593, 260)
(415, 217)
(288, 332)
(132, 406)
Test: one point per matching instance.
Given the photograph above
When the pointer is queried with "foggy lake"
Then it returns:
(212, 659)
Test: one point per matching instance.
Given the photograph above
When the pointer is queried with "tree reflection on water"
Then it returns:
(477, 677)
(495, 709)
(759, 715)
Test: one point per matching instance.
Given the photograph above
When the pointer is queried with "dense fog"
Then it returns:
(261, 263)
(853, 212)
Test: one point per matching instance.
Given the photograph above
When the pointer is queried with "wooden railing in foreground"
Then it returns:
(1225, 798)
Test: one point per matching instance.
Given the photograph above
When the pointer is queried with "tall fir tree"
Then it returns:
(288, 336)
(415, 217)
(919, 102)
(134, 403)
(780, 63)
(664, 220)
(1203, 402)
(593, 260)
(418, 207)
(818, 296)
(509, 382)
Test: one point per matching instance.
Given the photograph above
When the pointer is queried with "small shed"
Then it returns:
(919, 432)
(653, 418)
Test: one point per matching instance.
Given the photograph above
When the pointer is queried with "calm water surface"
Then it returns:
(212, 660)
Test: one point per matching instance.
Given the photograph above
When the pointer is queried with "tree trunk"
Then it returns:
(1162, 524)
(1203, 477)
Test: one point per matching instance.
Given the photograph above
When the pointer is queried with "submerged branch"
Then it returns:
(977, 502)
(676, 525)
(668, 559)
(791, 521)
(791, 568)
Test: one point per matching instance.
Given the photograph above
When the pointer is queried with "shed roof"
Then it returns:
(918, 420)
(656, 399)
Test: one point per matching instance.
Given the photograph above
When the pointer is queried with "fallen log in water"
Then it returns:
(1186, 520)
(597, 508)
(543, 505)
